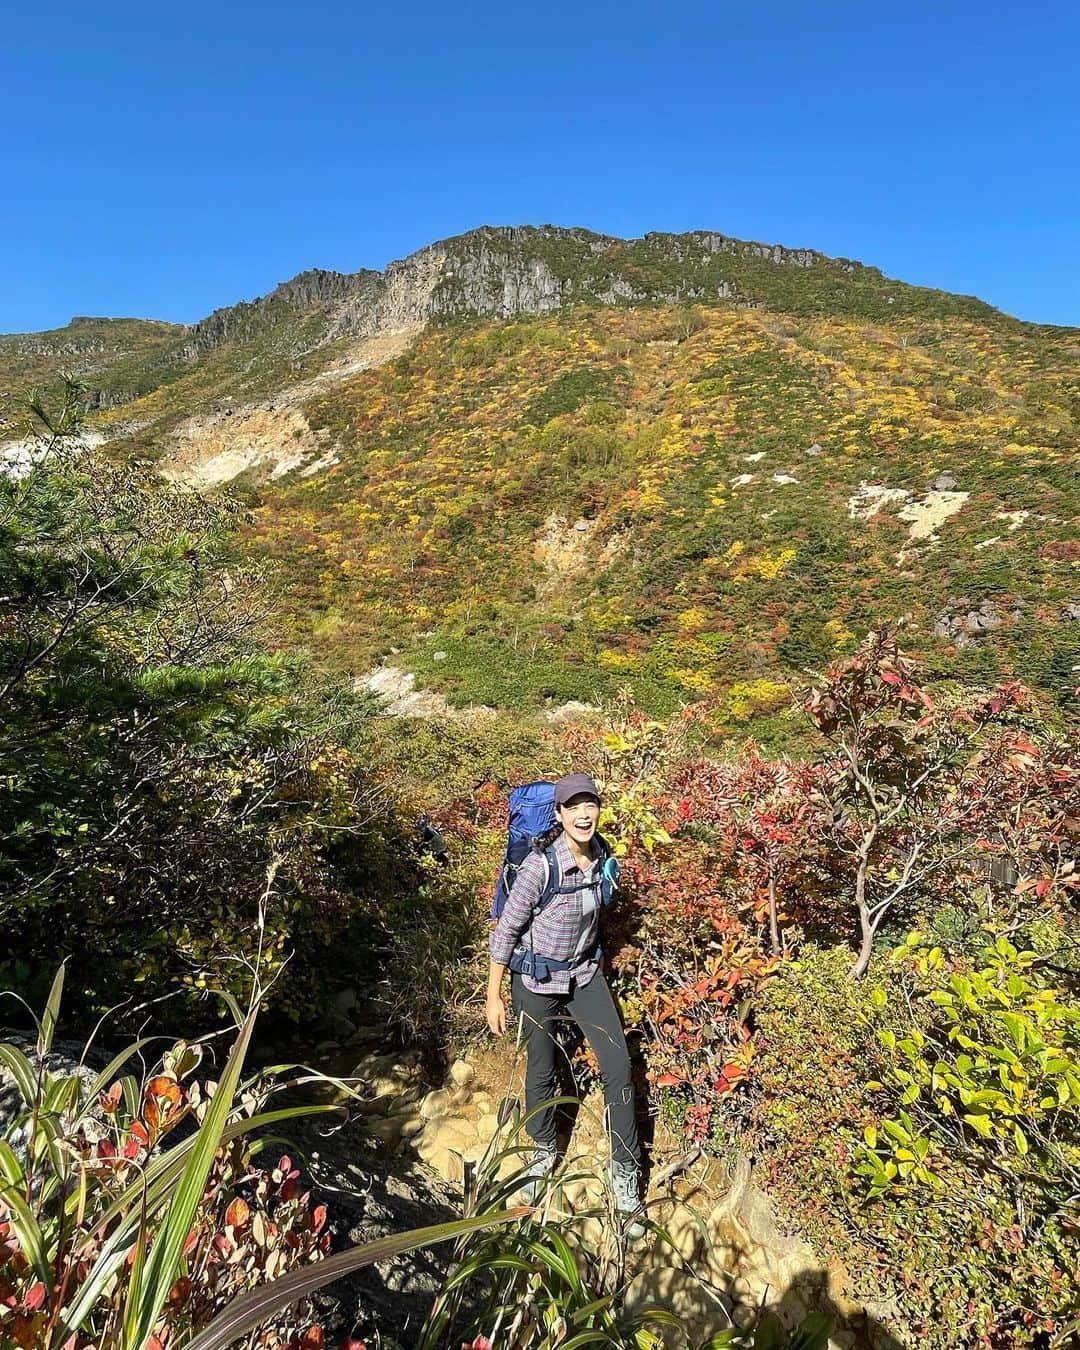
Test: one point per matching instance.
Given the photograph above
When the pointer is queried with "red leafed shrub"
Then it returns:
(727, 865)
(922, 792)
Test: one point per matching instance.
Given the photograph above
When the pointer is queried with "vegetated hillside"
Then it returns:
(104, 352)
(697, 502)
(685, 463)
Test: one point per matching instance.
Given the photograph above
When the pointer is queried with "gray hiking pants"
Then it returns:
(594, 1011)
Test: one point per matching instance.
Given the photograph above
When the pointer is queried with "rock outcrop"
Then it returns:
(503, 271)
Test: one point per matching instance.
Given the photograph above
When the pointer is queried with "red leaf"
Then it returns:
(667, 1080)
(111, 1100)
(891, 677)
(34, 1297)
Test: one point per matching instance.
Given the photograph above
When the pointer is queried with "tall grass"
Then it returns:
(118, 1229)
(562, 1277)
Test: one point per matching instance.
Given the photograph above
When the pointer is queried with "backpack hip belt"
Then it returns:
(540, 968)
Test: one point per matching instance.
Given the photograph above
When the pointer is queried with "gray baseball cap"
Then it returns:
(575, 785)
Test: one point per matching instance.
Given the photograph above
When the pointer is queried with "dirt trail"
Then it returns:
(728, 1254)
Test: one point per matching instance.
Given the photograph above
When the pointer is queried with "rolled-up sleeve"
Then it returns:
(518, 909)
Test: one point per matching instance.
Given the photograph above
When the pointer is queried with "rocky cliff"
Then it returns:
(505, 271)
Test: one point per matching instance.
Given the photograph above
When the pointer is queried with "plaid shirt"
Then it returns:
(562, 931)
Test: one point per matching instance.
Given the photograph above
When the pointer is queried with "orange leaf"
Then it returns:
(238, 1213)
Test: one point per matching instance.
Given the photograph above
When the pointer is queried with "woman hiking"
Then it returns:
(555, 962)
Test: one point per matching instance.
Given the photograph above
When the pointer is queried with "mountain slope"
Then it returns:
(696, 502)
(546, 463)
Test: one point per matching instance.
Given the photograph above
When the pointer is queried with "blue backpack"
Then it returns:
(532, 815)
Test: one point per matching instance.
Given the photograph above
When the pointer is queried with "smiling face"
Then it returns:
(579, 817)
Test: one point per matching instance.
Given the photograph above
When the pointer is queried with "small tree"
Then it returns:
(913, 787)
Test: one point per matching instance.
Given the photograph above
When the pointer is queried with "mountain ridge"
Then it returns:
(316, 285)
(496, 271)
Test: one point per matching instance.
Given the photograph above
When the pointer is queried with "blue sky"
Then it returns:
(164, 160)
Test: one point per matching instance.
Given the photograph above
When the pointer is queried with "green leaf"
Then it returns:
(980, 1124)
(812, 1333)
(47, 1029)
(28, 1232)
(22, 1071)
(10, 1167)
(1020, 1140)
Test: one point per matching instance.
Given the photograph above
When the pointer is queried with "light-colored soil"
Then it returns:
(273, 436)
(562, 547)
(923, 512)
(930, 512)
(397, 691)
(18, 457)
(399, 696)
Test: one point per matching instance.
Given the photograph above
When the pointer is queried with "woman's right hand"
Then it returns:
(496, 1014)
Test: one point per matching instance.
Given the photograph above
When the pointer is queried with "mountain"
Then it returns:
(544, 463)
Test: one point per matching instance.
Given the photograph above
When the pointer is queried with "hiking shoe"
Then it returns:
(534, 1175)
(626, 1186)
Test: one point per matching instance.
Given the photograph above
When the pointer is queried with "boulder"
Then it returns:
(462, 1073)
(386, 1129)
(435, 1104)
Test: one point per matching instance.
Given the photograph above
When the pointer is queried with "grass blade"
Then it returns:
(158, 1180)
(250, 1310)
(10, 1167)
(47, 1025)
(166, 1254)
(22, 1071)
(106, 1076)
(28, 1232)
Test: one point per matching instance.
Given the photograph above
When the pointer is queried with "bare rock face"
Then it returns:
(963, 622)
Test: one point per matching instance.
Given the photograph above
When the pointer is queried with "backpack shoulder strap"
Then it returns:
(550, 887)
